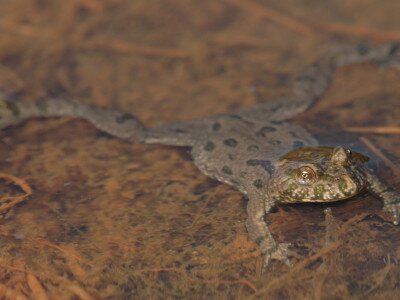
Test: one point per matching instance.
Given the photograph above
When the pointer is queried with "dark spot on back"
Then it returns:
(124, 117)
(230, 142)
(258, 183)
(297, 144)
(274, 142)
(210, 146)
(227, 170)
(236, 117)
(265, 164)
(231, 156)
(216, 126)
(266, 129)
(277, 122)
(253, 162)
(178, 130)
(362, 49)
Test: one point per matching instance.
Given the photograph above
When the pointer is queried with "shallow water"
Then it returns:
(108, 219)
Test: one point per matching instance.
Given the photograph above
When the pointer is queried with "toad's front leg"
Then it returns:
(390, 198)
(259, 232)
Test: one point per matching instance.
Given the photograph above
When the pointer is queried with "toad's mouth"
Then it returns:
(285, 199)
(320, 192)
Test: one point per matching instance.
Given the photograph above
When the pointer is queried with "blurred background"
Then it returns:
(107, 219)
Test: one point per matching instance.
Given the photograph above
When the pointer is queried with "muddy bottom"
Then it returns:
(110, 220)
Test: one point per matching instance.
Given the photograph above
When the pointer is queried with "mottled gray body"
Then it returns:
(243, 152)
(242, 148)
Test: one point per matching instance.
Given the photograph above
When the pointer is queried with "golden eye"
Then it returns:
(305, 175)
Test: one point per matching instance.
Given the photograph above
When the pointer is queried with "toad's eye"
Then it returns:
(306, 175)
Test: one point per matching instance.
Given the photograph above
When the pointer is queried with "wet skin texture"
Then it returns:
(255, 150)
(318, 174)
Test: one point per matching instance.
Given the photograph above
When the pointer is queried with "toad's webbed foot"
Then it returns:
(390, 197)
(279, 252)
(394, 209)
(257, 207)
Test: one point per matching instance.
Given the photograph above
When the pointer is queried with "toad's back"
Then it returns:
(243, 152)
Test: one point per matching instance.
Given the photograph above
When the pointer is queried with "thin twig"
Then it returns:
(22, 184)
(38, 292)
(261, 11)
(180, 271)
(8, 293)
(308, 28)
(297, 268)
(80, 292)
(122, 47)
(359, 32)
